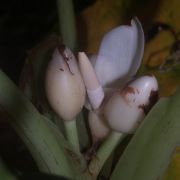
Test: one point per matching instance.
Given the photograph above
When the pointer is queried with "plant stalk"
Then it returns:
(104, 152)
(72, 135)
(67, 24)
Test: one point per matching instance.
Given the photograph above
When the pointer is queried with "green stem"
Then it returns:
(104, 152)
(67, 24)
(72, 134)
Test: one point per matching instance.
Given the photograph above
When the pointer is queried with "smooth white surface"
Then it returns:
(124, 111)
(120, 116)
(65, 91)
(87, 72)
(93, 87)
(95, 97)
(120, 53)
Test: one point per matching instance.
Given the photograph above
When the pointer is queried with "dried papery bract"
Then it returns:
(64, 86)
(127, 108)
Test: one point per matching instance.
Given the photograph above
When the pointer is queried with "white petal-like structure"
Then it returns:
(120, 54)
(126, 108)
(65, 88)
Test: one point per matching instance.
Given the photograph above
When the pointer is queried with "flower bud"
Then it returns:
(64, 85)
(98, 126)
(127, 107)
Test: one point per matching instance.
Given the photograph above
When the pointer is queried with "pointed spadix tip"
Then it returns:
(94, 89)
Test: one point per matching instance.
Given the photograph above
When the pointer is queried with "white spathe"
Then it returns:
(64, 85)
(124, 110)
(120, 54)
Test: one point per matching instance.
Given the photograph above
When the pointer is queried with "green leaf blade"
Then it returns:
(33, 130)
(149, 152)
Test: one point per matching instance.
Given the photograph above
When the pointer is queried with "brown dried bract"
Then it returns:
(91, 152)
(66, 58)
(73, 155)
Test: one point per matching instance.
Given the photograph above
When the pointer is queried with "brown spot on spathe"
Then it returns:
(61, 69)
(153, 97)
(66, 58)
(128, 90)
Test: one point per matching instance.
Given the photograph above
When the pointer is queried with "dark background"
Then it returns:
(22, 25)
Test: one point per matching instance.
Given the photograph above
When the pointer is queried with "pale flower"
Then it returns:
(118, 60)
(106, 80)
